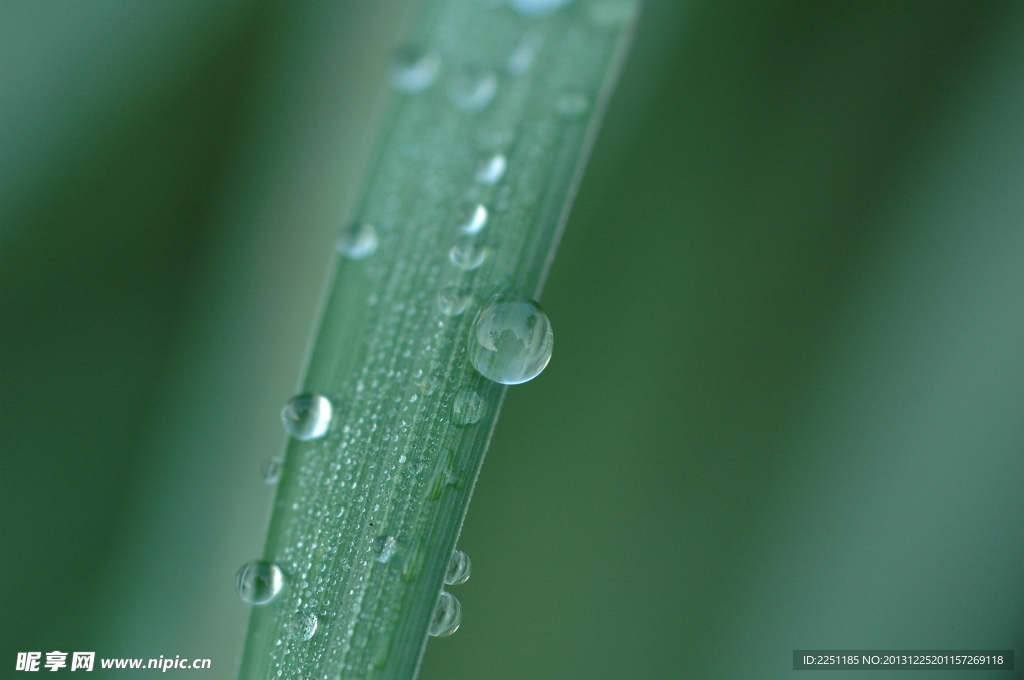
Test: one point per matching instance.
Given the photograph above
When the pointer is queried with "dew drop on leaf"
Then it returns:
(259, 582)
(357, 241)
(446, 617)
(511, 340)
(414, 69)
(466, 254)
(303, 625)
(307, 416)
(471, 89)
(468, 407)
(452, 300)
(459, 568)
(272, 471)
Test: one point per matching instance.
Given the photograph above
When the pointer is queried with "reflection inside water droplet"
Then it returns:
(303, 625)
(468, 408)
(357, 241)
(259, 582)
(307, 416)
(446, 617)
(472, 89)
(466, 254)
(459, 568)
(414, 69)
(511, 340)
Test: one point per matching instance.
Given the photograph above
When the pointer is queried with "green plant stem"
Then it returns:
(395, 467)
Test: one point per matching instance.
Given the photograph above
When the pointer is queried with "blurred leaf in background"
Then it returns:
(784, 411)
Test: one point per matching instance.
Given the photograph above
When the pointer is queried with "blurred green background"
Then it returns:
(786, 405)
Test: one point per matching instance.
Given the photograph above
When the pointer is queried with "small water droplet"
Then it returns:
(611, 12)
(452, 300)
(571, 105)
(472, 89)
(272, 471)
(459, 568)
(303, 625)
(523, 54)
(307, 416)
(474, 219)
(447, 616)
(465, 254)
(385, 547)
(536, 8)
(511, 340)
(491, 170)
(414, 69)
(357, 241)
(468, 408)
(259, 582)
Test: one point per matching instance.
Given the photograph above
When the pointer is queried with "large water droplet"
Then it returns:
(385, 547)
(468, 408)
(272, 471)
(452, 300)
(491, 170)
(535, 8)
(523, 54)
(303, 625)
(459, 568)
(447, 616)
(259, 582)
(472, 89)
(466, 254)
(414, 69)
(307, 416)
(474, 219)
(571, 105)
(511, 340)
(357, 241)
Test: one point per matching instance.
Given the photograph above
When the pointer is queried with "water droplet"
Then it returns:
(523, 54)
(414, 69)
(459, 568)
(536, 8)
(468, 408)
(472, 89)
(452, 300)
(492, 170)
(307, 416)
(259, 582)
(413, 561)
(474, 219)
(357, 241)
(571, 105)
(511, 340)
(447, 616)
(385, 547)
(465, 254)
(611, 12)
(272, 471)
(303, 625)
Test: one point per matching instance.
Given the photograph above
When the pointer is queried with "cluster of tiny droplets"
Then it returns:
(353, 529)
